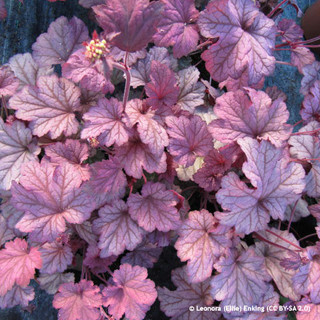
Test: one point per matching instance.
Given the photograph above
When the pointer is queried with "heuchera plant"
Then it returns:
(158, 132)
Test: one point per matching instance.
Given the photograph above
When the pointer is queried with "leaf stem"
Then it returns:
(292, 213)
(276, 8)
(283, 239)
(305, 132)
(308, 236)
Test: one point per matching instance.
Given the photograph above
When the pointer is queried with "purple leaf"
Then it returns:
(55, 257)
(151, 132)
(8, 82)
(273, 256)
(131, 58)
(246, 38)
(177, 27)
(307, 146)
(250, 114)
(276, 183)
(202, 240)
(154, 208)
(163, 89)
(131, 293)
(144, 255)
(16, 148)
(140, 72)
(307, 280)
(6, 233)
(71, 151)
(133, 22)
(311, 104)
(311, 73)
(78, 301)
(50, 106)
(191, 90)
(136, 156)
(242, 280)
(289, 30)
(94, 262)
(62, 39)
(17, 296)
(51, 282)
(92, 75)
(3, 10)
(175, 304)
(50, 196)
(117, 230)
(188, 139)
(18, 264)
(107, 176)
(27, 70)
(105, 122)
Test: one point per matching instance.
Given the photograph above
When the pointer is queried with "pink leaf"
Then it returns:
(105, 121)
(50, 196)
(273, 256)
(308, 310)
(191, 90)
(55, 257)
(78, 301)
(311, 104)
(154, 208)
(131, 293)
(246, 38)
(50, 106)
(175, 304)
(8, 82)
(136, 156)
(16, 148)
(250, 114)
(17, 296)
(107, 176)
(188, 139)
(276, 183)
(177, 27)
(301, 57)
(202, 240)
(140, 72)
(27, 70)
(93, 76)
(163, 89)
(311, 73)
(150, 130)
(117, 230)
(17, 264)
(51, 282)
(144, 255)
(133, 22)
(242, 280)
(306, 146)
(62, 39)
(71, 151)
(307, 280)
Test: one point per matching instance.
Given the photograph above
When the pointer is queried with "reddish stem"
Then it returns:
(297, 123)
(305, 132)
(103, 280)
(126, 70)
(307, 41)
(285, 63)
(283, 239)
(276, 8)
(144, 178)
(308, 236)
(258, 236)
(292, 213)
